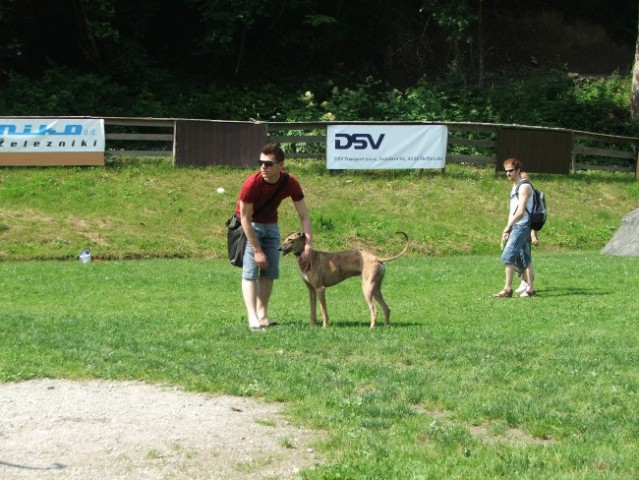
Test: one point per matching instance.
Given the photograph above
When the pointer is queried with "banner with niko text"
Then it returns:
(375, 147)
(51, 141)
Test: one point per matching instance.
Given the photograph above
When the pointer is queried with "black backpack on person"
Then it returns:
(537, 217)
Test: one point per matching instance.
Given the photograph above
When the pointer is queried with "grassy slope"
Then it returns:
(148, 210)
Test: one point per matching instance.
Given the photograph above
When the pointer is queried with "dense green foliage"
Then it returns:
(250, 40)
(552, 99)
(313, 60)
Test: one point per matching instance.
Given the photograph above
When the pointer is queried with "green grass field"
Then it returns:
(460, 385)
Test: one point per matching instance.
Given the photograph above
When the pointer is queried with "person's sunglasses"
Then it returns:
(510, 170)
(266, 163)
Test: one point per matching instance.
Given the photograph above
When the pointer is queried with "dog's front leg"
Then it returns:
(313, 301)
(321, 293)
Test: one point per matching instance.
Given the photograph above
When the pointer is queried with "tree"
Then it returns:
(462, 23)
(634, 101)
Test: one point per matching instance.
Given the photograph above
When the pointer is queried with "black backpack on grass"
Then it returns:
(538, 215)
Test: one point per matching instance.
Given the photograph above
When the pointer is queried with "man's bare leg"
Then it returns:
(264, 289)
(250, 294)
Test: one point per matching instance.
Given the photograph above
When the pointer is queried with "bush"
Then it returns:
(551, 98)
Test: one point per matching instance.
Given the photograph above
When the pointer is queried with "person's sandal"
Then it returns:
(528, 293)
(504, 293)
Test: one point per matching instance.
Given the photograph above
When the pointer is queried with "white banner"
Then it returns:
(47, 135)
(375, 147)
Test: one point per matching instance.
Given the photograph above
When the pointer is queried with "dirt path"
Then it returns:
(57, 429)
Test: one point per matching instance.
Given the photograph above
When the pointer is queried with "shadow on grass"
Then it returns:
(365, 324)
(571, 292)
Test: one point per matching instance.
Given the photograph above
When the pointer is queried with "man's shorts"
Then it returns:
(268, 234)
(517, 249)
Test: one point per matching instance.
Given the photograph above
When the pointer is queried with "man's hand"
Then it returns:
(261, 260)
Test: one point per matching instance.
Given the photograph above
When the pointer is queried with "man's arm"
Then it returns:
(525, 191)
(307, 228)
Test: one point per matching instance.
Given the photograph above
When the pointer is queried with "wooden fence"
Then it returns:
(140, 137)
(468, 143)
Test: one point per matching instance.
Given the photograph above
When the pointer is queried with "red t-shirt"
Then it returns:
(257, 191)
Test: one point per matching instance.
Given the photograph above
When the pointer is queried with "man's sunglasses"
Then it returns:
(510, 170)
(266, 163)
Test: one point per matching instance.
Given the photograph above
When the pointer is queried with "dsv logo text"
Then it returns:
(358, 141)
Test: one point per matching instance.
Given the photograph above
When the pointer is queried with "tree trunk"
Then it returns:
(480, 41)
(85, 36)
(634, 101)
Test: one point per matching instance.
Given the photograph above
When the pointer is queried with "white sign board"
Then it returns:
(375, 147)
(51, 141)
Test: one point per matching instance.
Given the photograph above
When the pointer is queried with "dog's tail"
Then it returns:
(395, 257)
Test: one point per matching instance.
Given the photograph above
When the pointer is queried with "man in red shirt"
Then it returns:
(259, 219)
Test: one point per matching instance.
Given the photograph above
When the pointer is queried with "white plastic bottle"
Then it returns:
(85, 256)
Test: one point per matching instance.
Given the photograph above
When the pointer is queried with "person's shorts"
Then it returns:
(268, 234)
(517, 249)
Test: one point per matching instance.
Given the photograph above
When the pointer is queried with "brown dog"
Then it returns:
(330, 268)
